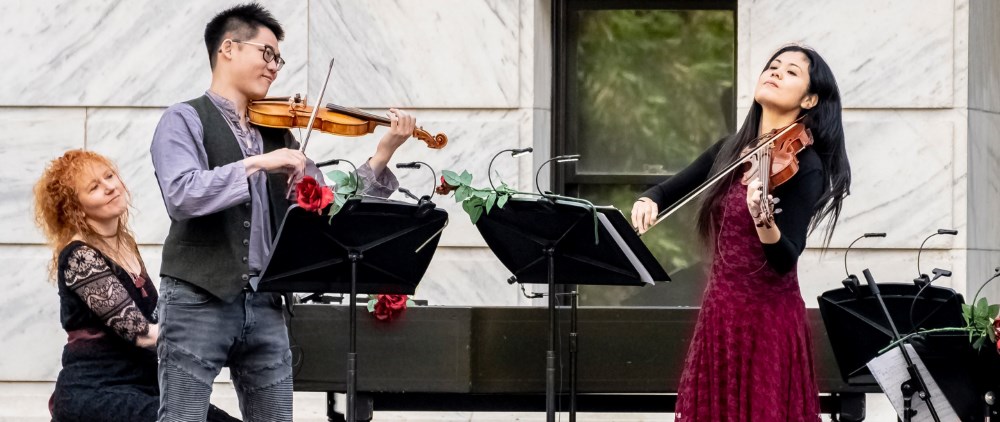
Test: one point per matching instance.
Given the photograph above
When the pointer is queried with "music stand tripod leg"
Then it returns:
(575, 297)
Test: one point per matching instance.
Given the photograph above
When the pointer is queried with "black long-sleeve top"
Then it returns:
(798, 198)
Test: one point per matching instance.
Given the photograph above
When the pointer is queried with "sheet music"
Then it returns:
(641, 269)
(890, 371)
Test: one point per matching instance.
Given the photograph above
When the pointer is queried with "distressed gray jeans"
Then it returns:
(200, 334)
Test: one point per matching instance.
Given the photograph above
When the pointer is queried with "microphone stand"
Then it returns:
(851, 281)
(907, 387)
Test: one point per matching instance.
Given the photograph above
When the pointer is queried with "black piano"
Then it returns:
(437, 358)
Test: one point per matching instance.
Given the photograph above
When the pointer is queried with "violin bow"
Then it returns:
(312, 116)
(309, 126)
(714, 179)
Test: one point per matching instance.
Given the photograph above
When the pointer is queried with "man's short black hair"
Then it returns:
(243, 22)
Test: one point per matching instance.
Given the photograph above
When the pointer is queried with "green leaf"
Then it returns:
(994, 310)
(502, 200)
(338, 203)
(462, 193)
(474, 207)
(982, 307)
(465, 177)
(481, 193)
(979, 343)
(476, 213)
(451, 178)
(967, 313)
(371, 305)
(490, 200)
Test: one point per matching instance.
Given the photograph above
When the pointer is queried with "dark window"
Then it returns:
(641, 89)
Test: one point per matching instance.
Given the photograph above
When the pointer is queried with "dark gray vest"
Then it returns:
(212, 251)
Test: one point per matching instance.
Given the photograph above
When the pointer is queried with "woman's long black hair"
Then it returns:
(827, 127)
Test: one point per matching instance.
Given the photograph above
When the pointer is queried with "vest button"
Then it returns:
(244, 259)
(245, 277)
(246, 242)
(247, 205)
(246, 224)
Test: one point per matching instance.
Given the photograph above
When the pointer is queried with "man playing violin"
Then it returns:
(223, 182)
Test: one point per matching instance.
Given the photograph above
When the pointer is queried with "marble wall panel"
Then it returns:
(428, 54)
(983, 180)
(467, 277)
(984, 69)
(885, 54)
(535, 54)
(30, 139)
(474, 136)
(30, 327)
(136, 53)
(124, 136)
(902, 180)
(982, 265)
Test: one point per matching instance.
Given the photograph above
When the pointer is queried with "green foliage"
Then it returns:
(979, 320)
(348, 184)
(476, 201)
(653, 87)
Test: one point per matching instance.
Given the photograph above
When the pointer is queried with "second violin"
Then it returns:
(291, 112)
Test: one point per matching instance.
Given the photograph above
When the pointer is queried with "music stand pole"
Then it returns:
(352, 352)
(550, 355)
(906, 387)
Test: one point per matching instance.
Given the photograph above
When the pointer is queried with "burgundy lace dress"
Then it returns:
(751, 357)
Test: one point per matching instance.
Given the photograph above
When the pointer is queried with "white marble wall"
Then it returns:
(920, 87)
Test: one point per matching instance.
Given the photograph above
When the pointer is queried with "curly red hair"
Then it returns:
(60, 215)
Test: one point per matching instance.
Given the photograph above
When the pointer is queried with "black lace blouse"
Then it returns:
(99, 297)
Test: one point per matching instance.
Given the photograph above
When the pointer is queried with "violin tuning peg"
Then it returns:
(777, 210)
(775, 200)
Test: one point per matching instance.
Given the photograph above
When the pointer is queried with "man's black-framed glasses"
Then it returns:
(269, 54)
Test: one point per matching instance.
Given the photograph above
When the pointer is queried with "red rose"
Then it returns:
(388, 307)
(996, 332)
(445, 188)
(311, 196)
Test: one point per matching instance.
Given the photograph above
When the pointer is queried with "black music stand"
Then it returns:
(858, 329)
(534, 237)
(373, 245)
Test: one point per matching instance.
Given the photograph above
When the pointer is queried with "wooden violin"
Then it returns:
(779, 157)
(292, 112)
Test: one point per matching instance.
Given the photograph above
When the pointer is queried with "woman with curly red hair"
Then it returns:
(107, 301)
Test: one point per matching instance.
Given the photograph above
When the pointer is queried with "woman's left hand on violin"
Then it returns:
(761, 217)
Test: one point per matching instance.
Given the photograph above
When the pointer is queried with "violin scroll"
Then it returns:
(434, 142)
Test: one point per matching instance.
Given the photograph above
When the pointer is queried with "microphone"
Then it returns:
(938, 273)
(851, 282)
(332, 162)
(558, 159)
(514, 153)
(408, 194)
(923, 279)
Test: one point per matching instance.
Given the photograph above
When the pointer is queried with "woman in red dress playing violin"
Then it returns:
(751, 356)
